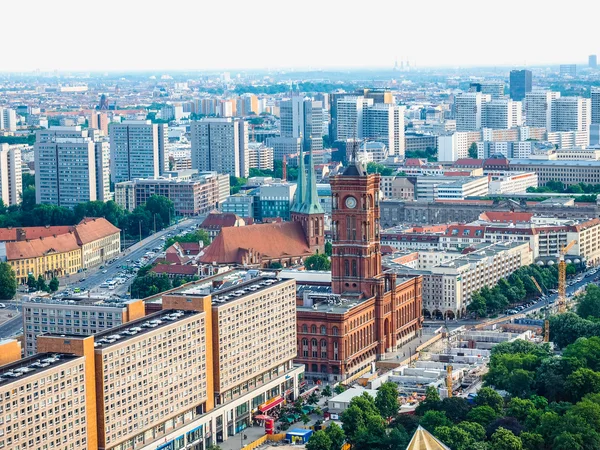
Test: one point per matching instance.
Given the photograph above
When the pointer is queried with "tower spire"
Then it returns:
(311, 202)
(301, 184)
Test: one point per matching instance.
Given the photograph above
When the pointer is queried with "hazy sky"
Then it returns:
(254, 34)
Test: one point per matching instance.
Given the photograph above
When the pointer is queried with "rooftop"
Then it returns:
(32, 366)
(231, 291)
(80, 301)
(557, 162)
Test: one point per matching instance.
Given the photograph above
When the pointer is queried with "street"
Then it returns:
(94, 277)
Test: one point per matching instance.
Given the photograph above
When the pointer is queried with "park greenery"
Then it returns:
(39, 284)
(430, 154)
(156, 212)
(560, 188)
(317, 262)
(514, 289)
(148, 284)
(374, 167)
(584, 322)
(8, 282)
(532, 399)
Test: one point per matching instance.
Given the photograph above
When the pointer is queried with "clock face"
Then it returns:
(350, 202)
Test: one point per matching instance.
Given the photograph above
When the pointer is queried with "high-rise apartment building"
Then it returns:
(8, 119)
(469, 108)
(137, 150)
(11, 185)
(595, 104)
(220, 145)
(65, 166)
(520, 84)
(593, 61)
(302, 118)
(99, 120)
(384, 122)
(260, 156)
(568, 70)
(538, 108)
(350, 116)
(571, 114)
(102, 155)
(77, 315)
(502, 114)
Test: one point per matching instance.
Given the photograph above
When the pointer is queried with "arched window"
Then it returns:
(305, 342)
(315, 368)
(354, 271)
(314, 342)
(323, 343)
(323, 368)
(323, 329)
(347, 267)
(334, 331)
(313, 329)
(304, 328)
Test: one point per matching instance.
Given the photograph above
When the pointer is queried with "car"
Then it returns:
(101, 267)
(82, 280)
(104, 271)
(2, 305)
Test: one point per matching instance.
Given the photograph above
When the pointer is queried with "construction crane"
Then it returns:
(546, 321)
(562, 277)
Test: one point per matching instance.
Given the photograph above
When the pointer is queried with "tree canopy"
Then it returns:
(317, 262)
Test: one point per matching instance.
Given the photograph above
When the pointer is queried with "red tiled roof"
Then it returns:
(10, 234)
(216, 221)
(506, 216)
(190, 247)
(175, 269)
(387, 249)
(414, 162)
(91, 229)
(271, 241)
(38, 247)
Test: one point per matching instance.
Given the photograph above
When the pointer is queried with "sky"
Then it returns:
(117, 35)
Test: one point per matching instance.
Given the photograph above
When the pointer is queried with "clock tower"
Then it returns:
(356, 256)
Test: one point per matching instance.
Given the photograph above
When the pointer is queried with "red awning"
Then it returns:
(262, 417)
(270, 405)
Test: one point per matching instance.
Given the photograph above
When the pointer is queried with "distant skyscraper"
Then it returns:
(568, 70)
(8, 119)
(501, 114)
(593, 61)
(65, 166)
(595, 105)
(350, 115)
(538, 108)
(520, 84)
(137, 150)
(469, 110)
(385, 123)
(220, 145)
(99, 121)
(571, 114)
(11, 172)
(102, 156)
(103, 102)
(302, 118)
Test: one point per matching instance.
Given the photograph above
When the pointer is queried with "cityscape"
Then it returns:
(253, 251)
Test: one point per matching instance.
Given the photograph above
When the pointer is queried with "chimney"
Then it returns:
(21, 235)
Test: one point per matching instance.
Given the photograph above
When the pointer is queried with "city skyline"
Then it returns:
(421, 40)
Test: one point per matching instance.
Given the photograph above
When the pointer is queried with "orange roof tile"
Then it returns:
(36, 248)
(270, 240)
(91, 229)
(10, 234)
(506, 216)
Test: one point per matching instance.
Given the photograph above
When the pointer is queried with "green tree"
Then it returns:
(304, 418)
(196, 236)
(586, 350)
(483, 415)
(317, 262)
(8, 282)
(432, 401)
(162, 209)
(477, 305)
(328, 248)
(520, 409)
(336, 435)
(567, 441)
(456, 408)
(53, 285)
(532, 441)
(31, 282)
(319, 441)
(489, 397)
(326, 392)
(581, 382)
(475, 430)
(473, 150)
(504, 439)
(588, 305)
(398, 439)
(454, 437)
(371, 435)
(374, 167)
(433, 419)
(41, 284)
(386, 400)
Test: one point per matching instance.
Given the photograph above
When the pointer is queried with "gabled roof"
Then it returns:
(270, 240)
(10, 234)
(424, 440)
(91, 229)
(468, 162)
(175, 269)
(35, 248)
(506, 216)
(216, 220)
(414, 162)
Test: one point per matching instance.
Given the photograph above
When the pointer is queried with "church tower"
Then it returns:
(356, 258)
(307, 209)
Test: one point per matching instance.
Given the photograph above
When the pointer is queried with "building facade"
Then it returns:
(11, 175)
(520, 84)
(220, 145)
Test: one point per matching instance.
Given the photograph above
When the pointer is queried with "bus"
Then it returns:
(112, 284)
